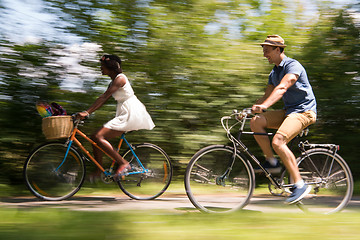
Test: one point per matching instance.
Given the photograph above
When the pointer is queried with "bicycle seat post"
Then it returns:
(122, 137)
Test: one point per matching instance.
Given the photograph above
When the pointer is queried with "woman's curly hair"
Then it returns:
(112, 62)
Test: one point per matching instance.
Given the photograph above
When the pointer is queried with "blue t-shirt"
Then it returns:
(299, 97)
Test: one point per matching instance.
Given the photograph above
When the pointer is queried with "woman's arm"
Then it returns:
(113, 87)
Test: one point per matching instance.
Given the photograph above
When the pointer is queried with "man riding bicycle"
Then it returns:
(287, 81)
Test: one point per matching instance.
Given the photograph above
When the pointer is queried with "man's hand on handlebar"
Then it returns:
(258, 108)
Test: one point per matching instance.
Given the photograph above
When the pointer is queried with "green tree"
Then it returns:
(332, 58)
(189, 61)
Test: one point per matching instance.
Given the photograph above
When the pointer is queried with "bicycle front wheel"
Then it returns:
(51, 177)
(217, 180)
(330, 178)
(148, 178)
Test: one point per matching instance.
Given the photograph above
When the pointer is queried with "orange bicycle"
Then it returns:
(56, 170)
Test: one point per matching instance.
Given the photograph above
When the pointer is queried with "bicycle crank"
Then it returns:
(220, 181)
(107, 178)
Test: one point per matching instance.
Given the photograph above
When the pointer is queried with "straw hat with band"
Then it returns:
(274, 40)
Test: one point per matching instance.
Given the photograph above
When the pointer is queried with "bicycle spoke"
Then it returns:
(152, 180)
(49, 176)
(216, 183)
(331, 187)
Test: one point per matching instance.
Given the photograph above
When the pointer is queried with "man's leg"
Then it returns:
(301, 189)
(291, 126)
(258, 124)
(279, 144)
(269, 119)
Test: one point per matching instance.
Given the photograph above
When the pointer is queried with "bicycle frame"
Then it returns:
(239, 145)
(244, 149)
(72, 139)
(333, 147)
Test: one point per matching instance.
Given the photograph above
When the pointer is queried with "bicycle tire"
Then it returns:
(49, 177)
(331, 181)
(151, 184)
(205, 187)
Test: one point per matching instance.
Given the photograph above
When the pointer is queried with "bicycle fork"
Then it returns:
(220, 180)
(64, 159)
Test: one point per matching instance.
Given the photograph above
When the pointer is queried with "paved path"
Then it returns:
(168, 202)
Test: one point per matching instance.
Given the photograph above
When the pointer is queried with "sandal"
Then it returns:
(121, 171)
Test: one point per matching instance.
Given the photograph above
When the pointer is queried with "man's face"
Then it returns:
(271, 53)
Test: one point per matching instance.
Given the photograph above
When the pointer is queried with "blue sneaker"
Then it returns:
(298, 194)
(270, 168)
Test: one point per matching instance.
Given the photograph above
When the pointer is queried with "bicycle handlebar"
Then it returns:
(244, 113)
(240, 117)
(77, 120)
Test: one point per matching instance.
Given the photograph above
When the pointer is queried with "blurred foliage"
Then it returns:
(190, 62)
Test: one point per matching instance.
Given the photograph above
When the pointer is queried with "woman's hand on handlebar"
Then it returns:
(82, 115)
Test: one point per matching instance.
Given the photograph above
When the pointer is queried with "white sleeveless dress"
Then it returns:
(131, 114)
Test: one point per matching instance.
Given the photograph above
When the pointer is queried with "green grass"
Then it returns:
(43, 223)
(61, 223)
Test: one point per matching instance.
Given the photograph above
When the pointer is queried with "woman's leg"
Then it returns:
(101, 138)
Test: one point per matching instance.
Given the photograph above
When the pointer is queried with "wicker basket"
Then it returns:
(57, 127)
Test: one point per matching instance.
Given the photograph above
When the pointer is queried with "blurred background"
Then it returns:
(189, 61)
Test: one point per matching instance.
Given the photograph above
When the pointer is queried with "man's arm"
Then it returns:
(276, 93)
(267, 93)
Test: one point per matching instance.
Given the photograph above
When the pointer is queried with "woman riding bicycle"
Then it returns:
(131, 114)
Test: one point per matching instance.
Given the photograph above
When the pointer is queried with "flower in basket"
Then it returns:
(44, 109)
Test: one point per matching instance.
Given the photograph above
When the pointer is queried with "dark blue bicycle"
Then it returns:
(221, 178)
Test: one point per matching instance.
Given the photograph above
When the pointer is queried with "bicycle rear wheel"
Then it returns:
(215, 181)
(330, 178)
(148, 185)
(48, 176)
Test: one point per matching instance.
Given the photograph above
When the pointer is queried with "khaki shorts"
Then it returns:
(291, 125)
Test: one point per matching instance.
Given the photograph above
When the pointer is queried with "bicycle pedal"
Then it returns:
(107, 180)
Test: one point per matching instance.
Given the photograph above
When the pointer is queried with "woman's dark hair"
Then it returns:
(112, 62)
